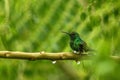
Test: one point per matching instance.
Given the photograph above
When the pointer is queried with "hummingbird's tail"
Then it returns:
(92, 52)
(89, 49)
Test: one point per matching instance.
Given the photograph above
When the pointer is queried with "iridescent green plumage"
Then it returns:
(76, 43)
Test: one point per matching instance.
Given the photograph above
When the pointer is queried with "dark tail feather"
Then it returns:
(92, 52)
(89, 49)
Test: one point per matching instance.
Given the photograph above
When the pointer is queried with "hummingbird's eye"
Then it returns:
(72, 34)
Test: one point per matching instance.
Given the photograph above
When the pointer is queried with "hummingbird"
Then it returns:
(76, 43)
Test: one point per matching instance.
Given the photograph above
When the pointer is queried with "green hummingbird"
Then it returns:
(76, 43)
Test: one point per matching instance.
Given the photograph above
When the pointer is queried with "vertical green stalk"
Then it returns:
(7, 10)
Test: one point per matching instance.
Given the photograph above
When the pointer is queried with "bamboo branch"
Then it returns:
(46, 56)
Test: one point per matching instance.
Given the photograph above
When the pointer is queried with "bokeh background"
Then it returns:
(36, 25)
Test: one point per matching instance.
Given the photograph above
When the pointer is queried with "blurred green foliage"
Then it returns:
(36, 25)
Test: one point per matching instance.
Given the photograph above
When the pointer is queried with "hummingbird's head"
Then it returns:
(72, 35)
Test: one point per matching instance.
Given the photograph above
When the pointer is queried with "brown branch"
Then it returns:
(40, 55)
(46, 56)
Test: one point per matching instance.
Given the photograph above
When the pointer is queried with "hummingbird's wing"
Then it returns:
(83, 47)
(86, 48)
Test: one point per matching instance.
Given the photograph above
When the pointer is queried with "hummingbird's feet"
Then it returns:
(75, 52)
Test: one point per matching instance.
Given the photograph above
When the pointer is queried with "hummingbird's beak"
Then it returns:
(66, 32)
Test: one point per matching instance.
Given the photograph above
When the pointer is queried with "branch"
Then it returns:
(41, 55)
(46, 56)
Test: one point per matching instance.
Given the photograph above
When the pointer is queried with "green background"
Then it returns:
(36, 25)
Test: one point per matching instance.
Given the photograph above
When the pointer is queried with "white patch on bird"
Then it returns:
(75, 52)
(78, 62)
(53, 62)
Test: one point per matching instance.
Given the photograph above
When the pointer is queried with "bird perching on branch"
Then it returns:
(77, 44)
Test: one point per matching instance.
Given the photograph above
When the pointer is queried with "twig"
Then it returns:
(40, 55)
(46, 56)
